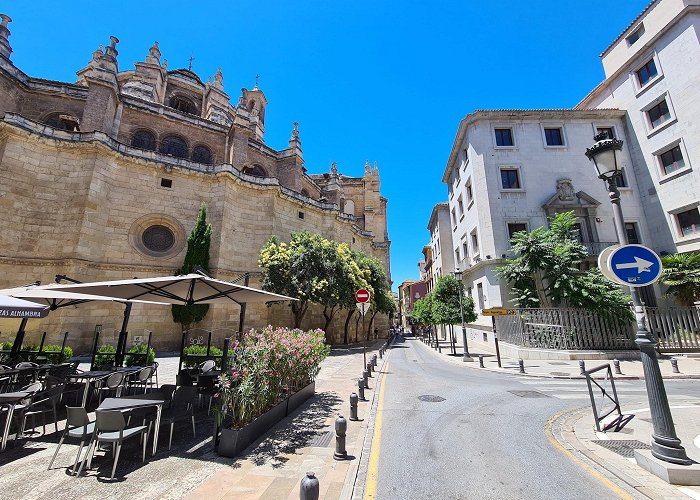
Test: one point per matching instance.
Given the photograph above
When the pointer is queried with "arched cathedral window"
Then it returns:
(255, 170)
(183, 104)
(201, 154)
(174, 146)
(143, 139)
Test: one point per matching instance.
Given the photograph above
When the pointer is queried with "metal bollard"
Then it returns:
(365, 377)
(353, 407)
(361, 388)
(369, 368)
(616, 364)
(381, 353)
(481, 360)
(341, 426)
(374, 360)
(309, 490)
(521, 365)
(674, 365)
(582, 366)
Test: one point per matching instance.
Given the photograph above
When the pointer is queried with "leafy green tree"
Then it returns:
(422, 312)
(681, 272)
(198, 245)
(546, 272)
(381, 301)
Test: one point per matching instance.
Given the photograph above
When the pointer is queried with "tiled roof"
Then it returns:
(634, 21)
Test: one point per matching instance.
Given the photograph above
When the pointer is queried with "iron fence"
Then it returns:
(675, 328)
(562, 328)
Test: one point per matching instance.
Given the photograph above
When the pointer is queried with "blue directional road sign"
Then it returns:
(635, 265)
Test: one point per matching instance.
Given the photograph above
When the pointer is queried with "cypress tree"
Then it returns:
(197, 254)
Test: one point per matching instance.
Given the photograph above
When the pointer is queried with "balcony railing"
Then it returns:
(595, 247)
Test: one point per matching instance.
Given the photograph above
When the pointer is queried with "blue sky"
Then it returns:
(383, 81)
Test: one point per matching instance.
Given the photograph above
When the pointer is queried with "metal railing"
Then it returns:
(675, 328)
(562, 328)
(595, 247)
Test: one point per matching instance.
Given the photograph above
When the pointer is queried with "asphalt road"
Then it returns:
(451, 432)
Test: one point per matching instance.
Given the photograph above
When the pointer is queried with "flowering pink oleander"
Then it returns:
(266, 366)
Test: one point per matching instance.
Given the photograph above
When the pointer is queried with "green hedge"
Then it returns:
(52, 351)
(201, 350)
(104, 360)
(138, 360)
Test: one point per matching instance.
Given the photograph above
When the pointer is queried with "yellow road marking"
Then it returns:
(612, 486)
(373, 468)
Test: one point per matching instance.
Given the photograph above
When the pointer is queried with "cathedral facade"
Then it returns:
(103, 178)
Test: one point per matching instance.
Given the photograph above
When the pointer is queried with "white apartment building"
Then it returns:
(652, 71)
(441, 249)
(509, 170)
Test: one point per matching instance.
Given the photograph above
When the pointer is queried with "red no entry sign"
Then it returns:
(362, 295)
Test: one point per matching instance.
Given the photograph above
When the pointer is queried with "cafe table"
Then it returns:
(131, 403)
(10, 400)
(92, 376)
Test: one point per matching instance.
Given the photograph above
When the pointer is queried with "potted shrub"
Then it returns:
(131, 360)
(267, 368)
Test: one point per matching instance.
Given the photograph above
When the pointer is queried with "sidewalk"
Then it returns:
(274, 466)
(688, 366)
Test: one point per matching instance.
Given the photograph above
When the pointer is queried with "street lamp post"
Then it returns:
(466, 357)
(665, 444)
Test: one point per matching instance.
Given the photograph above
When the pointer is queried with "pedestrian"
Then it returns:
(376, 334)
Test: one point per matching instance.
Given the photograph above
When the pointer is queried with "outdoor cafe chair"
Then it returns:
(143, 378)
(181, 408)
(207, 366)
(112, 382)
(78, 426)
(110, 427)
(41, 403)
(155, 373)
(26, 364)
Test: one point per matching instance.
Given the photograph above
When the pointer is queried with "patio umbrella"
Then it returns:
(48, 298)
(187, 289)
(11, 307)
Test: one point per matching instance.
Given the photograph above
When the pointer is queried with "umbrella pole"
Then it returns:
(241, 318)
(121, 343)
(19, 338)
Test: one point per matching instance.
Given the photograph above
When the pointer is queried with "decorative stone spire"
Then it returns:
(257, 77)
(294, 141)
(98, 53)
(153, 56)
(219, 80)
(334, 168)
(111, 51)
(375, 170)
(5, 49)
(367, 168)
(165, 65)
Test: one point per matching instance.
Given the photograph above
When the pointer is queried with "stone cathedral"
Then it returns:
(102, 179)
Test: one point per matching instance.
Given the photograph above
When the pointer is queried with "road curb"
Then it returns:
(503, 371)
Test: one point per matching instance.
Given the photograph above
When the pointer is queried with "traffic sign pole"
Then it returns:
(665, 444)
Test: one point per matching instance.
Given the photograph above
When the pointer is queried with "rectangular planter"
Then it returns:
(231, 442)
(298, 398)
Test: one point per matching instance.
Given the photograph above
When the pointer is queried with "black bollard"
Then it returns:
(521, 365)
(616, 364)
(582, 366)
(481, 360)
(353, 407)
(361, 388)
(341, 426)
(309, 489)
(381, 353)
(674, 365)
(369, 369)
(374, 360)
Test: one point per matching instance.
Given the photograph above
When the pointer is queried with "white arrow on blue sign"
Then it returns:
(635, 265)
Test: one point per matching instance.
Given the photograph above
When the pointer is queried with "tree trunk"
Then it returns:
(541, 288)
(357, 328)
(299, 310)
(347, 325)
(328, 315)
(371, 322)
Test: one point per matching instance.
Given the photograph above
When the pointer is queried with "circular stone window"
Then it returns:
(158, 238)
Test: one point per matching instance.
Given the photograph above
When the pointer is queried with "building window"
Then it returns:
(454, 217)
(672, 160)
(635, 35)
(158, 238)
(658, 114)
(255, 171)
(166, 183)
(62, 122)
(143, 139)
(460, 205)
(201, 154)
(608, 130)
(470, 192)
(465, 249)
(466, 158)
(622, 179)
(475, 242)
(456, 255)
(504, 137)
(646, 72)
(183, 104)
(301, 215)
(174, 146)
(510, 178)
(516, 227)
(689, 222)
(554, 136)
(632, 233)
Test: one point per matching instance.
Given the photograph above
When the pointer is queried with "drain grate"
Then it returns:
(623, 447)
(322, 439)
(560, 374)
(558, 363)
(429, 398)
(528, 394)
